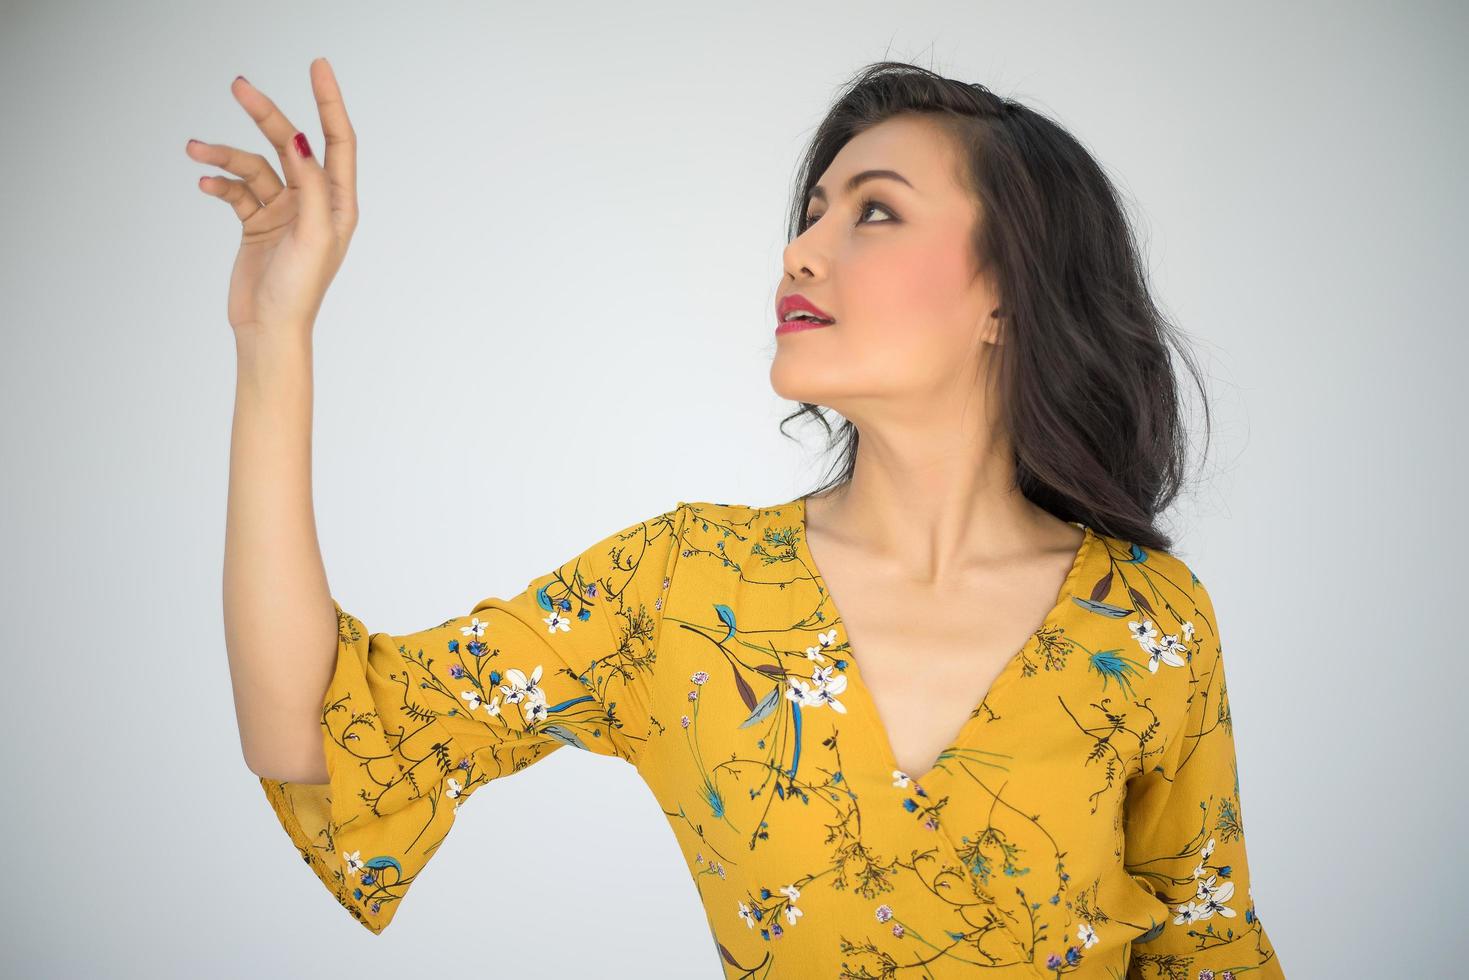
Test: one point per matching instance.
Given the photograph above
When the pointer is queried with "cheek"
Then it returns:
(916, 297)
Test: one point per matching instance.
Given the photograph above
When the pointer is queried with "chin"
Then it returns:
(786, 379)
(797, 382)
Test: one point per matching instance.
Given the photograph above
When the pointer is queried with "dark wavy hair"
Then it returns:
(1089, 395)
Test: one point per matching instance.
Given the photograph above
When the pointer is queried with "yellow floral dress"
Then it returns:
(1086, 819)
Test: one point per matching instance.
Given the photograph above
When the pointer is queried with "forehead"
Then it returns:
(916, 146)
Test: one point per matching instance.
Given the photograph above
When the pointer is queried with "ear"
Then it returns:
(991, 330)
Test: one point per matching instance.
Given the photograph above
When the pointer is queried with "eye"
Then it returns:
(862, 209)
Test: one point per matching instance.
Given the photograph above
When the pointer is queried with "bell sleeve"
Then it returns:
(1184, 833)
(412, 725)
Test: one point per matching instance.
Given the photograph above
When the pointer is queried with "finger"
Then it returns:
(259, 175)
(236, 192)
(299, 165)
(305, 173)
(272, 122)
(340, 154)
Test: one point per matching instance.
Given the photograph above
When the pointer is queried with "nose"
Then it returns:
(798, 257)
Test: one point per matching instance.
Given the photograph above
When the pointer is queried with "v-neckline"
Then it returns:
(858, 692)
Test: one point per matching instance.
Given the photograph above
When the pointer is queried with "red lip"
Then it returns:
(796, 301)
(791, 326)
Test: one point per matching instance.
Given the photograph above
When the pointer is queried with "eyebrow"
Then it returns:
(819, 194)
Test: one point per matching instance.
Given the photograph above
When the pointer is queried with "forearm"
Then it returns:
(279, 619)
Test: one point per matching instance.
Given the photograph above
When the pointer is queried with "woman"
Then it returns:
(1007, 747)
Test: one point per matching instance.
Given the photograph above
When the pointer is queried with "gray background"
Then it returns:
(551, 189)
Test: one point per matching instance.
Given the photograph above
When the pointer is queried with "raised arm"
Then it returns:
(279, 618)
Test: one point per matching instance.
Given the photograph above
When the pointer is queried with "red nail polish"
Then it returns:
(302, 147)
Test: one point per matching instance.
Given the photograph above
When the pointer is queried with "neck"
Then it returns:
(934, 508)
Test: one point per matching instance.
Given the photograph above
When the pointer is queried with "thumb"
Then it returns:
(306, 174)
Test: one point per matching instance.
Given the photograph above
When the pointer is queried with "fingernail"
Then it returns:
(242, 78)
(302, 147)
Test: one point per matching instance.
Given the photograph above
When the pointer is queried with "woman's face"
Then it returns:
(893, 264)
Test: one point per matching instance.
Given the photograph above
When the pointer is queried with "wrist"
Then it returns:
(259, 340)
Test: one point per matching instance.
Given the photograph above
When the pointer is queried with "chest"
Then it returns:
(928, 657)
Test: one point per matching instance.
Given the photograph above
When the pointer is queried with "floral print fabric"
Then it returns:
(1085, 821)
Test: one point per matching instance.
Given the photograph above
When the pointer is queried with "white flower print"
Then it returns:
(798, 690)
(747, 915)
(1188, 912)
(1214, 896)
(476, 628)
(455, 792)
(556, 621)
(818, 693)
(535, 711)
(825, 639)
(1211, 895)
(354, 861)
(1143, 632)
(1086, 935)
(520, 688)
(900, 778)
(1168, 651)
(828, 692)
(792, 913)
(475, 701)
(822, 690)
(884, 913)
(1204, 854)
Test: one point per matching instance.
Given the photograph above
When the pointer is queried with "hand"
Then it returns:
(294, 233)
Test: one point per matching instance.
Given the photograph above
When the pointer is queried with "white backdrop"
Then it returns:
(556, 319)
